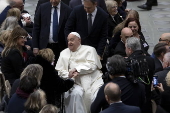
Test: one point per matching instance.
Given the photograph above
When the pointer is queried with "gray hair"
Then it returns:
(9, 23)
(167, 57)
(35, 70)
(133, 43)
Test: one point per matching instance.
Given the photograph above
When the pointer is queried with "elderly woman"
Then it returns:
(35, 102)
(12, 55)
(114, 17)
(51, 83)
(31, 70)
(9, 23)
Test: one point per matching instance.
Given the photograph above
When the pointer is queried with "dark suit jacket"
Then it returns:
(131, 94)
(4, 14)
(78, 22)
(42, 22)
(158, 65)
(120, 49)
(100, 3)
(44, 1)
(121, 108)
(165, 96)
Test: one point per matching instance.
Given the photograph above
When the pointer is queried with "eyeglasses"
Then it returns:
(114, 6)
(24, 37)
(163, 40)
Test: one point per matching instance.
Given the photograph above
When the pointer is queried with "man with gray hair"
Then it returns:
(83, 62)
(133, 51)
(165, 97)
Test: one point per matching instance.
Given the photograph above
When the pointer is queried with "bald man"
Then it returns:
(120, 48)
(165, 38)
(113, 97)
(83, 61)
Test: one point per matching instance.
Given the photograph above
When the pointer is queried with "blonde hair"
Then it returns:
(12, 42)
(5, 36)
(14, 12)
(120, 26)
(167, 79)
(109, 4)
(35, 70)
(47, 54)
(49, 108)
(36, 100)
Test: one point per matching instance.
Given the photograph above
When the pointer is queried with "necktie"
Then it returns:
(55, 25)
(89, 23)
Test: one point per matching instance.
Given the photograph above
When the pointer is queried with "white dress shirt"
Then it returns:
(51, 24)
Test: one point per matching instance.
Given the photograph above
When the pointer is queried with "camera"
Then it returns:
(155, 81)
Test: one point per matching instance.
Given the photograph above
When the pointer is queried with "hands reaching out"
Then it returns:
(73, 73)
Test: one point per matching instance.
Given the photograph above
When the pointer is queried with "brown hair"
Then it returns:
(14, 12)
(12, 41)
(47, 54)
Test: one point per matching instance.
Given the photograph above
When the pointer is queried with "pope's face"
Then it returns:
(73, 42)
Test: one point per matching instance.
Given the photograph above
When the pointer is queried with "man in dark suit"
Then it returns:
(148, 5)
(44, 1)
(120, 48)
(159, 51)
(113, 97)
(49, 23)
(90, 22)
(165, 97)
(131, 94)
(100, 3)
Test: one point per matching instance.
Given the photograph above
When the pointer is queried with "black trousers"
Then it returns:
(56, 49)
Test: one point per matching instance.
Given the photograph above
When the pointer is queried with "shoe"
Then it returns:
(144, 6)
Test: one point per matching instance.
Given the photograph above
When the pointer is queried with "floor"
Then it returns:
(153, 22)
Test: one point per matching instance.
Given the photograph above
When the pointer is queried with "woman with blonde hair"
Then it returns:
(14, 12)
(51, 83)
(49, 109)
(31, 70)
(12, 55)
(35, 102)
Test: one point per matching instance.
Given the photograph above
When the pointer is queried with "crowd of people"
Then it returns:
(92, 52)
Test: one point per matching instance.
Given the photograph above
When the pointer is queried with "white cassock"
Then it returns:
(86, 61)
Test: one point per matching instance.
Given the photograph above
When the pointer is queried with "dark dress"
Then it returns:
(51, 83)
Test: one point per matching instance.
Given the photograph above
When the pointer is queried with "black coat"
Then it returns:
(165, 96)
(12, 65)
(113, 23)
(158, 65)
(120, 49)
(97, 37)
(51, 83)
(151, 65)
(131, 94)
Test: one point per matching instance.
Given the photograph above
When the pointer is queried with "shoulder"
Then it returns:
(65, 51)
(65, 6)
(133, 109)
(79, 8)
(45, 4)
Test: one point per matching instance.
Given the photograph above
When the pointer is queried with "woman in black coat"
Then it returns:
(12, 55)
(51, 83)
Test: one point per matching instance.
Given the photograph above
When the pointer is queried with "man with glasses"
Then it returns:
(120, 48)
(165, 38)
